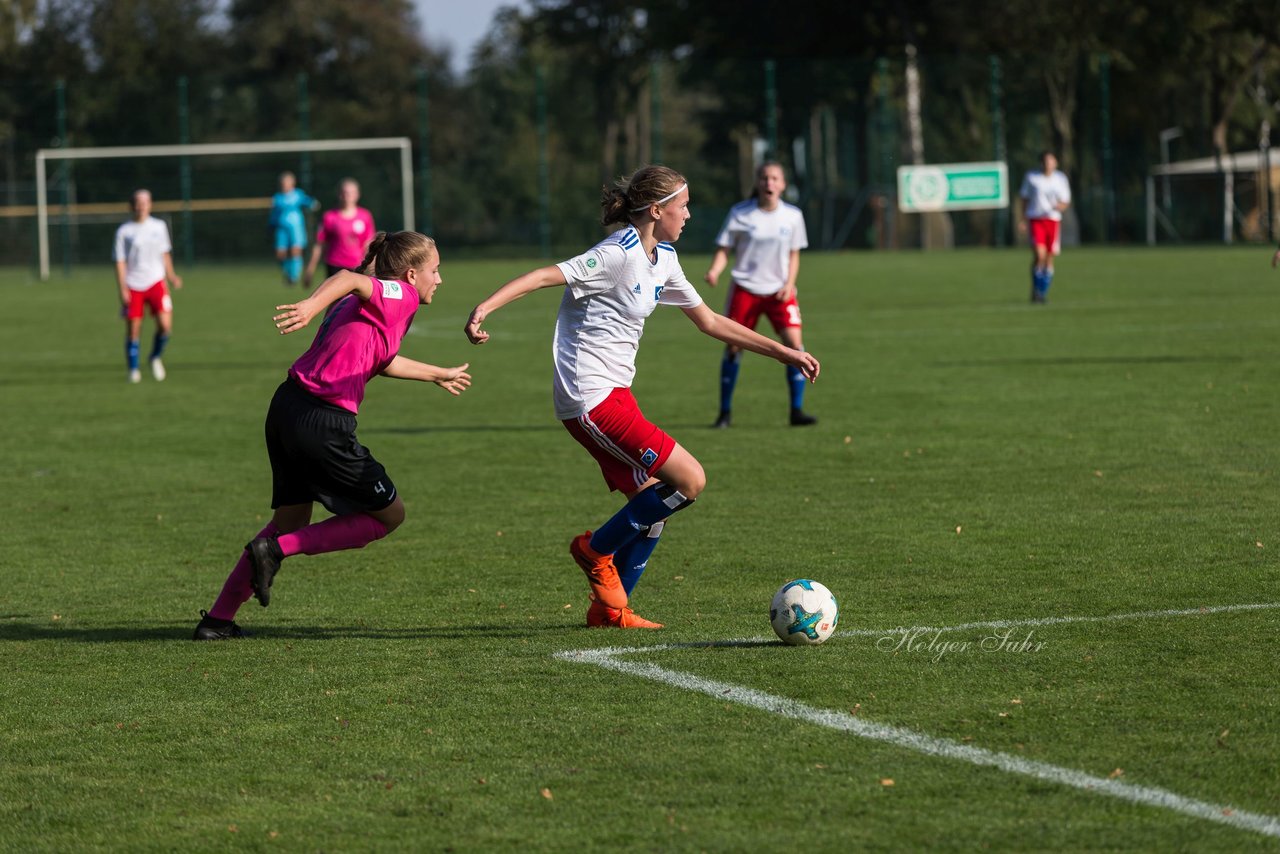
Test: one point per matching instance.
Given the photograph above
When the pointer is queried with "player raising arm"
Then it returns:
(608, 292)
(311, 423)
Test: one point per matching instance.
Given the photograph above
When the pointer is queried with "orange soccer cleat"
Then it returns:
(600, 615)
(600, 571)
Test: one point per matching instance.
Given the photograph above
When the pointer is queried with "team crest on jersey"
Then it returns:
(591, 263)
(657, 292)
(649, 457)
(392, 290)
(358, 226)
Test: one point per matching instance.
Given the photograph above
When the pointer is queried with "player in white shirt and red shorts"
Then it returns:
(766, 235)
(144, 263)
(1045, 195)
(609, 291)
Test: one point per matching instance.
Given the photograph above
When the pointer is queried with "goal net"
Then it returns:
(215, 197)
(1204, 200)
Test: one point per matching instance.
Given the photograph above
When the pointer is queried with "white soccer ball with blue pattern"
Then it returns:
(804, 612)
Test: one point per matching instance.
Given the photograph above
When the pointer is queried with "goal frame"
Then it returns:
(44, 155)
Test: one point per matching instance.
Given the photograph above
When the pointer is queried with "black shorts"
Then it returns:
(315, 456)
(334, 269)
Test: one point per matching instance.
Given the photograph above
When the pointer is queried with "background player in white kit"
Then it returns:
(144, 263)
(766, 235)
(609, 291)
(1045, 194)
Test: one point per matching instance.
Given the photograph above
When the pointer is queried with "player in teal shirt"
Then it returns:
(289, 224)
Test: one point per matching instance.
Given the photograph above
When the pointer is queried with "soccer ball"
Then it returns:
(804, 612)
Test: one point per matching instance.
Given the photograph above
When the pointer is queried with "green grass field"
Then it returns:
(978, 459)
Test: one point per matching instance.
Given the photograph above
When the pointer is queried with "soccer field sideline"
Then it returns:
(609, 659)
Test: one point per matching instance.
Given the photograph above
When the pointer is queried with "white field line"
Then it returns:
(610, 659)
(1058, 621)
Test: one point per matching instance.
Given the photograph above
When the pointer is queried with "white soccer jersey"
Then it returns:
(1043, 191)
(611, 289)
(762, 242)
(142, 246)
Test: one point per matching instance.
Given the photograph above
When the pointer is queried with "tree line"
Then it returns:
(603, 85)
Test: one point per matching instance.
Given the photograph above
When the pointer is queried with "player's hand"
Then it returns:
(293, 317)
(177, 283)
(1275, 259)
(456, 380)
(711, 278)
(787, 293)
(806, 363)
(475, 334)
(1022, 226)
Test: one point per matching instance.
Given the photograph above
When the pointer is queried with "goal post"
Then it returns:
(44, 155)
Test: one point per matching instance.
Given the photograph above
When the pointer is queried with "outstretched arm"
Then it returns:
(543, 277)
(453, 380)
(735, 334)
(295, 316)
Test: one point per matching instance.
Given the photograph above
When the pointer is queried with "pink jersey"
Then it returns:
(355, 343)
(345, 239)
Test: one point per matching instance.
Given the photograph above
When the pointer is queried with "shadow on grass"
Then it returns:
(16, 631)
(1088, 360)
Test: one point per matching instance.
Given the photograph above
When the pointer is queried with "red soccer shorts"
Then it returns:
(155, 297)
(628, 447)
(746, 308)
(1044, 232)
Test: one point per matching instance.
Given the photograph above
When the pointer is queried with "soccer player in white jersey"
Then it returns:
(609, 291)
(766, 235)
(144, 264)
(1044, 195)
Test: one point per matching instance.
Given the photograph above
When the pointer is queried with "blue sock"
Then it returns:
(293, 268)
(632, 558)
(158, 345)
(1048, 280)
(728, 379)
(131, 349)
(1039, 281)
(647, 507)
(797, 382)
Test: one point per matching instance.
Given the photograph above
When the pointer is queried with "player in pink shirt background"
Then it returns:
(344, 233)
(310, 427)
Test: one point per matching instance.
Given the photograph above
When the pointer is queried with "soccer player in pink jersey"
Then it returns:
(344, 233)
(608, 292)
(310, 426)
(144, 263)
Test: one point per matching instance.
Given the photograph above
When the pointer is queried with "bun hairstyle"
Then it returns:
(392, 253)
(646, 186)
